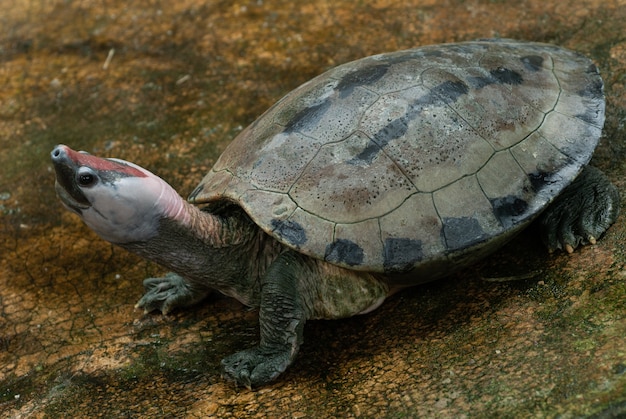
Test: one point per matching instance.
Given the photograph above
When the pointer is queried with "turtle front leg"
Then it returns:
(169, 292)
(297, 288)
(582, 212)
(281, 316)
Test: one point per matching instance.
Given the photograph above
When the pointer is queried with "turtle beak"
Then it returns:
(66, 187)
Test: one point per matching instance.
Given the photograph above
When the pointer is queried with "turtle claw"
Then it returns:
(255, 366)
(167, 293)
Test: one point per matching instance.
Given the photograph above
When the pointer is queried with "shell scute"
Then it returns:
(565, 132)
(342, 188)
(416, 220)
(366, 238)
(319, 232)
(470, 223)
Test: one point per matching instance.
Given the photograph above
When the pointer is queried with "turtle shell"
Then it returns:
(414, 159)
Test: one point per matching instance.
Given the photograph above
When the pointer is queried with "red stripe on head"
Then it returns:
(100, 164)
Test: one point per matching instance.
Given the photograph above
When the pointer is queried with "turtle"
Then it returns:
(383, 173)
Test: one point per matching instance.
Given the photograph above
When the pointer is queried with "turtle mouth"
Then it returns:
(66, 188)
(67, 200)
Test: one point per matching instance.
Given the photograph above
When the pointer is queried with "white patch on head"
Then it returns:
(130, 208)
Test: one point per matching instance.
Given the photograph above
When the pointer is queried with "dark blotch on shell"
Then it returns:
(462, 232)
(592, 90)
(508, 208)
(401, 255)
(361, 77)
(344, 251)
(506, 76)
(500, 75)
(448, 92)
(290, 231)
(532, 62)
(308, 117)
(539, 180)
(590, 116)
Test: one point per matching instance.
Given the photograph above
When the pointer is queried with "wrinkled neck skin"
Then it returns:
(227, 253)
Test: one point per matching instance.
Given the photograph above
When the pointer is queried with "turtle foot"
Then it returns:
(256, 366)
(582, 213)
(168, 292)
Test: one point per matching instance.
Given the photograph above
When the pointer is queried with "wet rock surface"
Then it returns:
(168, 86)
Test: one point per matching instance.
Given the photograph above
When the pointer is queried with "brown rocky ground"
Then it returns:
(167, 85)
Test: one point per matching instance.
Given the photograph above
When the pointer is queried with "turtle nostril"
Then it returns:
(57, 153)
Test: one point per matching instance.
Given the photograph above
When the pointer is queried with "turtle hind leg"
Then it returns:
(581, 213)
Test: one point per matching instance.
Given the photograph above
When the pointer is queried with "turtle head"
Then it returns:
(120, 201)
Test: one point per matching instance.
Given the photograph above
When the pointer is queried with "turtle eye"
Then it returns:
(86, 177)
